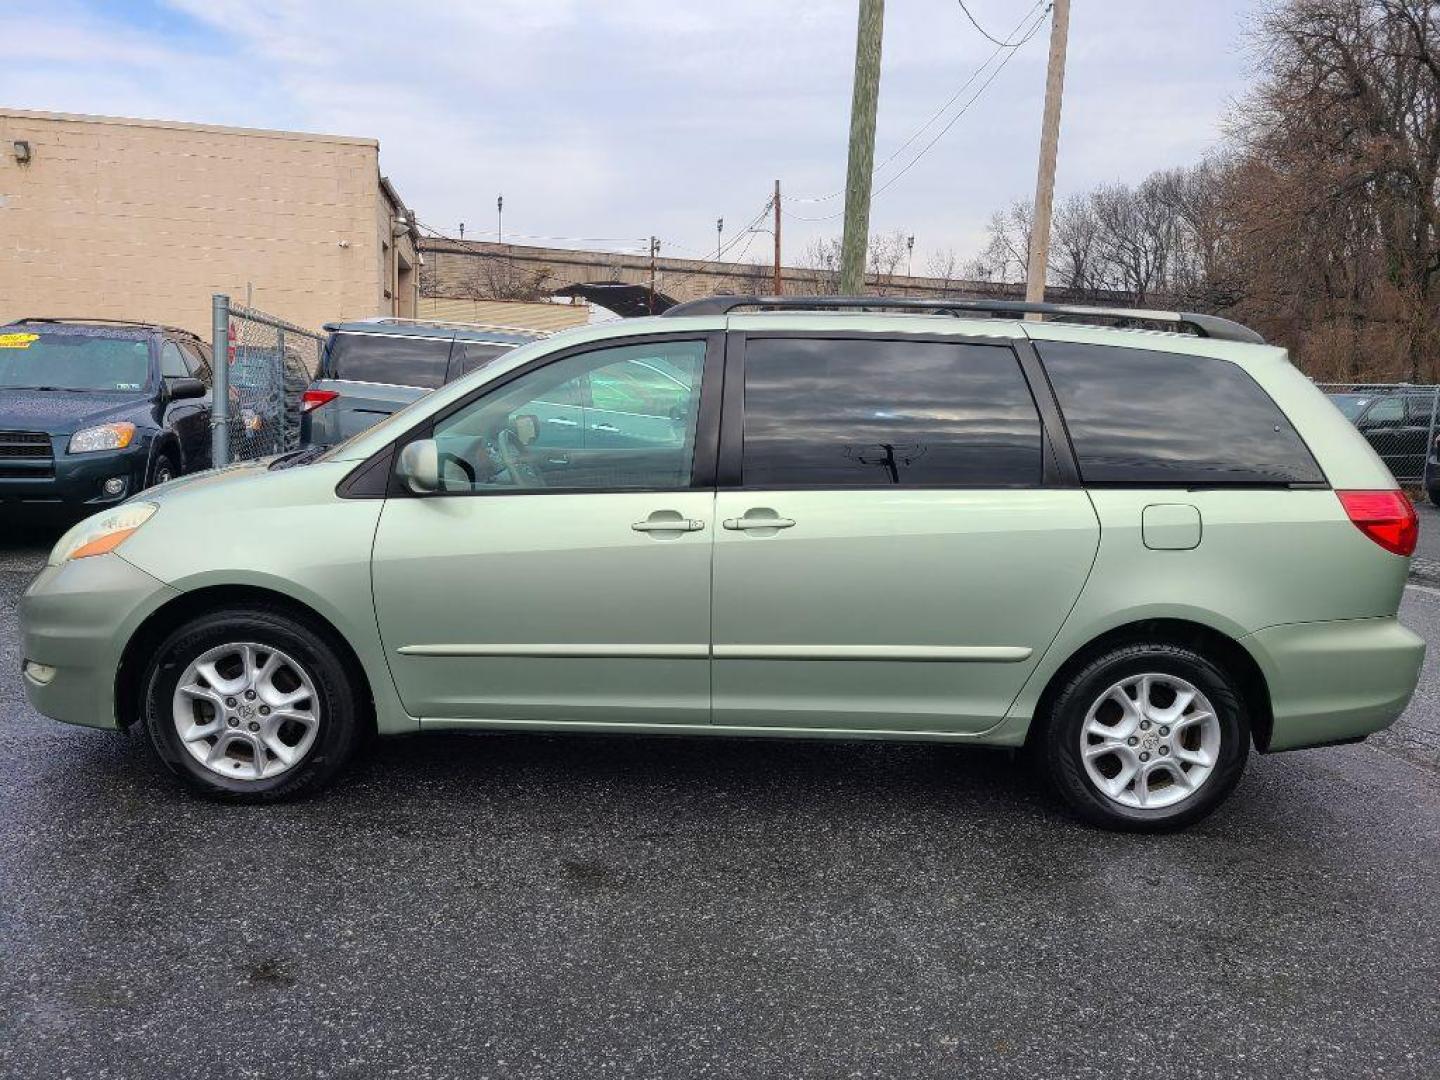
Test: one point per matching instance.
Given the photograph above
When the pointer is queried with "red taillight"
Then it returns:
(313, 399)
(1387, 517)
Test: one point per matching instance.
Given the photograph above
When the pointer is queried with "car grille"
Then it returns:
(25, 454)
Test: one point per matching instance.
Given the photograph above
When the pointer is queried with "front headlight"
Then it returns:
(105, 437)
(102, 533)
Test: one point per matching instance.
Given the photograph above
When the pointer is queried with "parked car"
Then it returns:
(94, 410)
(1396, 423)
(910, 522)
(372, 367)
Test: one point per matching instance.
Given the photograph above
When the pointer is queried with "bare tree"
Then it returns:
(498, 277)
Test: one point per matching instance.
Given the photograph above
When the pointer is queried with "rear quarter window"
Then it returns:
(1138, 416)
(381, 358)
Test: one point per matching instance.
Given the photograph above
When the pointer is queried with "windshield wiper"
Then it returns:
(71, 389)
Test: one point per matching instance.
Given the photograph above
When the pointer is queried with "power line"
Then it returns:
(938, 112)
(987, 35)
(963, 109)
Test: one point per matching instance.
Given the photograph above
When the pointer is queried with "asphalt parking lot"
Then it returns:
(526, 906)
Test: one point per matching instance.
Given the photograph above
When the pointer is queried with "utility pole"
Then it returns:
(778, 288)
(462, 230)
(861, 168)
(499, 219)
(1049, 146)
(654, 250)
(909, 255)
(719, 228)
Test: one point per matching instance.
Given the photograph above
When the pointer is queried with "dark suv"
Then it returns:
(93, 410)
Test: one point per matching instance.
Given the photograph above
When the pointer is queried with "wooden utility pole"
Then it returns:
(861, 168)
(778, 289)
(1049, 146)
(654, 250)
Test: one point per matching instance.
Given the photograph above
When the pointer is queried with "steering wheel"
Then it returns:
(513, 455)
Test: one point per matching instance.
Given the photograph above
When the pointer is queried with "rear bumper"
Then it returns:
(76, 618)
(1336, 681)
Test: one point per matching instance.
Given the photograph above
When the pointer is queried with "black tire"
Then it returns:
(1434, 496)
(163, 469)
(1058, 741)
(339, 731)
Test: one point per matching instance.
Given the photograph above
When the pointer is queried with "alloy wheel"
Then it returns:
(1150, 741)
(246, 711)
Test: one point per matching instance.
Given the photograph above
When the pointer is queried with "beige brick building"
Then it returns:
(145, 219)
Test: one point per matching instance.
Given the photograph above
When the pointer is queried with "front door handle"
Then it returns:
(561, 422)
(742, 524)
(671, 522)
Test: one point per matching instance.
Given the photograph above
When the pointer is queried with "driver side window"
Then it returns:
(616, 418)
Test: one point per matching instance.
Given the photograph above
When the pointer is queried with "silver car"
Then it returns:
(371, 368)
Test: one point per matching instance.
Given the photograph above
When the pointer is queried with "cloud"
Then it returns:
(640, 117)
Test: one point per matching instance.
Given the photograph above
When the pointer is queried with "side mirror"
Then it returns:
(185, 388)
(419, 466)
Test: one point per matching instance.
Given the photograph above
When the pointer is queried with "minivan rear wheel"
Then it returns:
(250, 705)
(1147, 737)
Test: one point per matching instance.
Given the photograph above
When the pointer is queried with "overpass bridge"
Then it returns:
(482, 270)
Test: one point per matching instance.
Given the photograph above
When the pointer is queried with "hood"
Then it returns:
(238, 470)
(64, 412)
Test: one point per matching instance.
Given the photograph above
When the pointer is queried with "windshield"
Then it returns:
(59, 361)
(1351, 405)
(383, 358)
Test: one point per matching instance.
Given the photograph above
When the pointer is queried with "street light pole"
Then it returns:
(719, 228)
(500, 219)
(861, 167)
(1049, 148)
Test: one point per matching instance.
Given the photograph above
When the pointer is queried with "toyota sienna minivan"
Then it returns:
(1135, 552)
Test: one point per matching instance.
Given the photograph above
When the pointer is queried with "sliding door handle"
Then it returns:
(743, 524)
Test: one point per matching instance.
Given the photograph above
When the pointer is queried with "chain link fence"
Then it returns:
(1397, 419)
(270, 363)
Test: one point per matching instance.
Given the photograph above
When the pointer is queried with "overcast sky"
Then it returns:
(626, 118)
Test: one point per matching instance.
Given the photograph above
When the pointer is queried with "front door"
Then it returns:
(553, 579)
(189, 418)
(891, 553)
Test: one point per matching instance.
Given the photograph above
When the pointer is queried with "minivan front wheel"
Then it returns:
(1146, 737)
(250, 705)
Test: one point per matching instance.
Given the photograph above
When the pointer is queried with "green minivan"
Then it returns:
(1133, 551)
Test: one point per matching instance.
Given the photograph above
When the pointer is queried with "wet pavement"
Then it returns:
(530, 906)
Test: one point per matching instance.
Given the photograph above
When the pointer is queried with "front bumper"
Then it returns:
(1336, 681)
(76, 618)
(74, 480)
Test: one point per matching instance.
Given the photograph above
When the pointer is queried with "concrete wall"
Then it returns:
(455, 268)
(515, 313)
(146, 219)
(469, 268)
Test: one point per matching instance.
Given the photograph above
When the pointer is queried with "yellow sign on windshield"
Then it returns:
(17, 341)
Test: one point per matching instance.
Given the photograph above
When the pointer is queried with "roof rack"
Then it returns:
(378, 320)
(1207, 326)
(62, 319)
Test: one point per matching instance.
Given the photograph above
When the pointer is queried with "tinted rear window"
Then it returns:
(1142, 417)
(476, 354)
(400, 361)
(870, 412)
